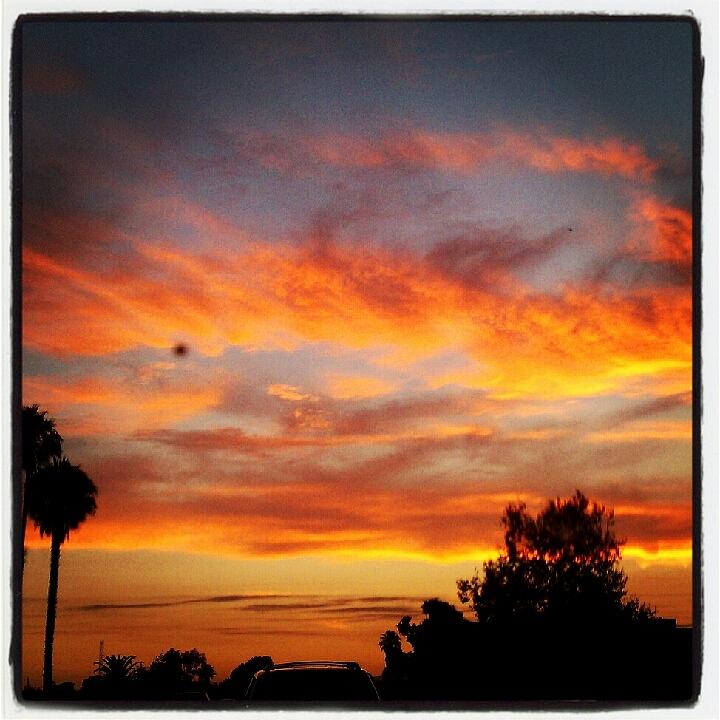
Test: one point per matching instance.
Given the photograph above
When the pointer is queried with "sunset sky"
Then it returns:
(422, 270)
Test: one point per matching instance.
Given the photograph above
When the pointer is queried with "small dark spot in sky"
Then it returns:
(181, 349)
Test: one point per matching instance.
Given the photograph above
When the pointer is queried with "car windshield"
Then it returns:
(314, 684)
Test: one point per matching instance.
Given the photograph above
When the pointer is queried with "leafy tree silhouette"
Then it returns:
(563, 564)
(178, 671)
(60, 496)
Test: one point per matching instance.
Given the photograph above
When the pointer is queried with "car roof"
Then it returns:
(314, 665)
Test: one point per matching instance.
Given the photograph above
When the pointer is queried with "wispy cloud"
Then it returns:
(291, 603)
(173, 603)
(95, 405)
(590, 339)
(378, 507)
(414, 148)
(664, 232)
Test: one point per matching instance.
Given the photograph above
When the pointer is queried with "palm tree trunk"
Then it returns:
(23, 505)
(51, 612)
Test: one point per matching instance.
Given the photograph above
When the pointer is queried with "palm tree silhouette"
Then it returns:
(390, 643)
(118, 668)
(41, 442)
(60, 496)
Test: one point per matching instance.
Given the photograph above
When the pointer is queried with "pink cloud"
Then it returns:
(458, 152)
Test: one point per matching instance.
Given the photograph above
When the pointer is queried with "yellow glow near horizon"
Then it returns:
(681, 555)
(658, 554)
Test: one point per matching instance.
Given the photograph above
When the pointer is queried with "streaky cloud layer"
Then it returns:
(415, 148)
(418, 270)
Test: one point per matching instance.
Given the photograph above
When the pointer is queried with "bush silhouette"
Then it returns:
(236, 684)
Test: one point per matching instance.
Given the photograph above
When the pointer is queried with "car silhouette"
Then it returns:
(310, 682)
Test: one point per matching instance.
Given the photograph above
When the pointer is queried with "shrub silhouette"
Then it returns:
(391, 646)
(236, 684)
(177, 671)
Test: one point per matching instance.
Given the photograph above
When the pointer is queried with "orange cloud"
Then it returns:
(296, 516)
(578, 341)
(315, 513)
(645, 430)
(664, 232)
(96, 406)
(553, 154)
